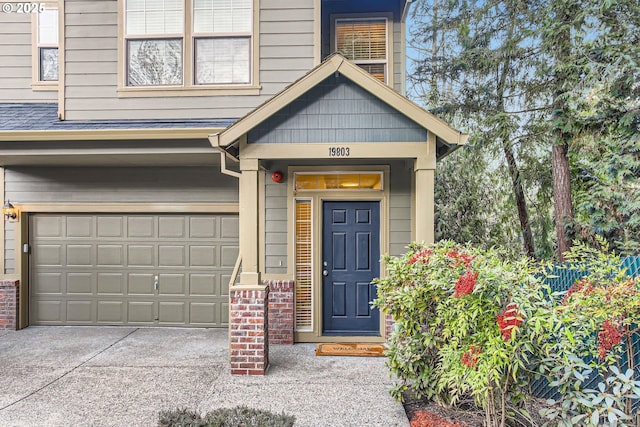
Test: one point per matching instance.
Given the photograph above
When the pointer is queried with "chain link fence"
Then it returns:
(562, 282)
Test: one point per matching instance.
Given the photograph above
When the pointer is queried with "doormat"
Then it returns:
(348, 349)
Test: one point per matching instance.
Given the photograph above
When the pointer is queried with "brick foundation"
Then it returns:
(388, 325)
(248, 335)
(9, 304)
(281, 311)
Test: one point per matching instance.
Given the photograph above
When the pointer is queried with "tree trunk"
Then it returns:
(562, 196)
(523, 213)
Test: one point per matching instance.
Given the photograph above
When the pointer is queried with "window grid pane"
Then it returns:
(222, 60)
(48, 64)
(154, 62)
(154, 17)
(48, 27)
(362, 39)
(222, 16)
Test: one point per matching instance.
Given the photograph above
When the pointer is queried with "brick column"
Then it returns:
(281, 311)
(9, 304)
(248, 337)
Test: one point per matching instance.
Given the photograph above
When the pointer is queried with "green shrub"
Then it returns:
(240, 416)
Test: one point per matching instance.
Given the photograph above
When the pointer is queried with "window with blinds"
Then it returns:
(164, 42)
(364, 42)
(303, 266)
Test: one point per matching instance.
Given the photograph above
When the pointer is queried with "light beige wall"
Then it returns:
(286, 53)
(15, 61)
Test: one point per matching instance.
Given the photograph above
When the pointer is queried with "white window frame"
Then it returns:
(189, 86)
(36, 64)
(388, 18)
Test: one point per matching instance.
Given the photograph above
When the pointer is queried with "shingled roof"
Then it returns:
(44, 116)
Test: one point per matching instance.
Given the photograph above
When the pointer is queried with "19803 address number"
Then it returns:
(339, 152)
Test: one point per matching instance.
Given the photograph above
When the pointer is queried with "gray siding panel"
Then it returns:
(114, 185)
(399, 210)
(92, 83)
(337, 110)
(276, 227)
(15, 57)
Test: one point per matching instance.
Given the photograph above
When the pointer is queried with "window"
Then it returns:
(208, 45)
(307, 181)
(364, 42)
(304, 266)
(45, 61)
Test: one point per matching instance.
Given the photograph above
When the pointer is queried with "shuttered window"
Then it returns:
(303, 266)
(364, 41)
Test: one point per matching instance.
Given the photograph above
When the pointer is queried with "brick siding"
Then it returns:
(9, 300)
(281, 311)
(248, 337)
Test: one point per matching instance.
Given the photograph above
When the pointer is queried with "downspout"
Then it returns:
(215, 143)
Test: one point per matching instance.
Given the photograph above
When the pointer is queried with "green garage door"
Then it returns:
(165, 270)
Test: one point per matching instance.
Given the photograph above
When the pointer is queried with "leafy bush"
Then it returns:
(240, 416)
(471, 322)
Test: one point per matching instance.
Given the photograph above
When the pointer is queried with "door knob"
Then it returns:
(325, 273)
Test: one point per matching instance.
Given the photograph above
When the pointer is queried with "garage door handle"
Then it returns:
(155, 283)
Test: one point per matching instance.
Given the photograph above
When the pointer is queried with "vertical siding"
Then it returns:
(275, 227)
(114, 185)
(399, 209)
(286, 53)
(15, 61)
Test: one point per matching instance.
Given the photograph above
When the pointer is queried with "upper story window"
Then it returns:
(167, 45)
(45, 57)
(364, 42)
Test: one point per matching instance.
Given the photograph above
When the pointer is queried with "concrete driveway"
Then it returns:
(121, 376)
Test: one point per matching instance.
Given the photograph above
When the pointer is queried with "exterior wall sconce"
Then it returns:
(10, 212)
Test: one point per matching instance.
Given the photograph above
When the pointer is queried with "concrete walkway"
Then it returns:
(107, 376)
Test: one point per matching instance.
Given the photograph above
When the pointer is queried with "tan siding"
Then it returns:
(92, 66)
(276, 227)
(114, 185)
(15, 60)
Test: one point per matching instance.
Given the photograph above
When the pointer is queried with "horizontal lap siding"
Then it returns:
(286, 49)
(399, 210)
(276, 227)
(15, 57)
(114, 185)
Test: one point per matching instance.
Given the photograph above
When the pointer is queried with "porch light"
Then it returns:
(9, 211)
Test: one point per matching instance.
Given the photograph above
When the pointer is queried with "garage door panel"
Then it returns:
(171, 255)
(203, 285)
(141, 255)
(80, 255)
(48, 226)
(101, 269)
(51, 255)
(80, 312)
(51, 283)
(110, 226)
(172, 284)
(230, 228)
(111, 312)
(81, 283)
(141, 312)
(110, 255)
(140, 227)
(111, 284)
(172, 312)
(80, 226)
(203, 256)
(50, 312)
(141, 284)
(171, 227)
(229, 255)
(204, 313)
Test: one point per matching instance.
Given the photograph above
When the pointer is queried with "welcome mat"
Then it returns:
(348, 349)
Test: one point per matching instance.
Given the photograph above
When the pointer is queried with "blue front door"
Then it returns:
(350, 261)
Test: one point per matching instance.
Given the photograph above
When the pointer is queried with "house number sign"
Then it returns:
(339, 152)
